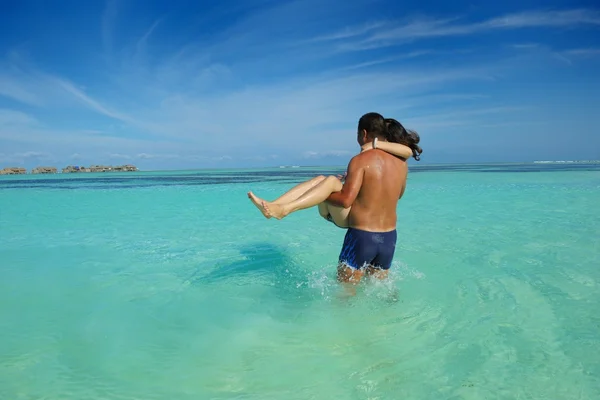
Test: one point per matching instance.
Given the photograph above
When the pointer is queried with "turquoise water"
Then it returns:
(173, 286)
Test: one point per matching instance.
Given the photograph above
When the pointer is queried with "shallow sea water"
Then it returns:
(171, 285)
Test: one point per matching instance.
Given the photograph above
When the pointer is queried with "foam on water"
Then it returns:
(169, 286)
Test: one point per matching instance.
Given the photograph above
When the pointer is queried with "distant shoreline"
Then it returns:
(132, 168)
(569, 162)
(70, 169)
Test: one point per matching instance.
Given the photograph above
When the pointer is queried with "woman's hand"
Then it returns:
(342, 177)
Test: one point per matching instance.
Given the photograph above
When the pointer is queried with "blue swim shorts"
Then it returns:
(364, 248)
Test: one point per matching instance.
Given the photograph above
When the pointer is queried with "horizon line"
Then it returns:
(326, 166)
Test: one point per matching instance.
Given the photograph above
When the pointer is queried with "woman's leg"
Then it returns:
(299, 190)
(314, 196)
(288, 196)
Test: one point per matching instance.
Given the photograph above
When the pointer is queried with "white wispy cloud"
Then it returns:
(78, 94)
(10, 89)
(566, 55)
(328, 153)
(392, 33)
(146, 156)
(141, 44)
(349, 32)
(587, 52)
(34, 87)
(386, 60)
(21, 158)
(20, 127)
(552, 18)
(525, 45)
(10, 117)
(120, 156)
(269, 157)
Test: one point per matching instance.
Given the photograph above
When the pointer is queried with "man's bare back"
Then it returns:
(383, 184)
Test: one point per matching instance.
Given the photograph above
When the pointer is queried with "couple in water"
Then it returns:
(363, 201)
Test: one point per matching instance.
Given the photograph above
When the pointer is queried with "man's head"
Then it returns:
(370, 126)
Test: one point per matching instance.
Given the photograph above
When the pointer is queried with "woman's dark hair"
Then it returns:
(396, 133)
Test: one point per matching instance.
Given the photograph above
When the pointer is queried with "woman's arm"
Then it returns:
(396, 149)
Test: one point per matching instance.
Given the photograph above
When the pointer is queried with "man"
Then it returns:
(374, 183)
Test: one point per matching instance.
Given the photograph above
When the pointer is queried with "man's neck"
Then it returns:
(369, 145)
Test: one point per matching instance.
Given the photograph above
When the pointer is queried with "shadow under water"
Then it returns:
(268, 272)
(257, 259)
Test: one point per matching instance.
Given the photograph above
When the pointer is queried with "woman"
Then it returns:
(401, 143)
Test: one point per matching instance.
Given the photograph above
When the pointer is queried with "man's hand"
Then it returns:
(352, 184)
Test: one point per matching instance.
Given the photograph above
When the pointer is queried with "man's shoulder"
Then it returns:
(366, 157)
(363, 161)
(357, 162)
(361, 157)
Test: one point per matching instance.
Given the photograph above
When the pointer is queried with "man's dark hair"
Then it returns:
(398, 134)
(374, 124)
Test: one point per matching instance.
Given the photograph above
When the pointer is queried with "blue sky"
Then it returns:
(193, 84)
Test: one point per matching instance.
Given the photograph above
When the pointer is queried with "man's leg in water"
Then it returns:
(312, 197)
(349, 278)
(377, 272)
(288, 196)
(381, 264)
(355, 254)
(346, 274)
(366, 252)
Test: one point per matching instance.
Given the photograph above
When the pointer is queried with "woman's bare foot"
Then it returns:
(258, 202)
(274, 210)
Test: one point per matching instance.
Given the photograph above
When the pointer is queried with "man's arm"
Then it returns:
(354, 179)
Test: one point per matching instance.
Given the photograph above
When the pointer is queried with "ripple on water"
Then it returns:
(184, 291)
